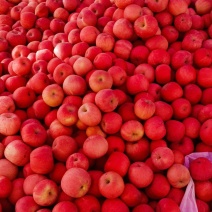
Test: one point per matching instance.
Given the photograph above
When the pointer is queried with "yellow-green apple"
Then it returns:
(118, 162)
(10, 123)
(63, 146)
(87, 111)
(53, 95)
(178, 175)
(100, 79)
(45, 192)
(111, 122)
(88, 203)
(201, 169)
(111, 185)
(6, 186)
(119, 25)
(17, 152)
(41, 159)
(95, 146)
(136, 174)
(67, 114)
(115, 143)
(86, 17)
(159, 188)
(144, 108)
(26, 203)
(64, 205)
(78, 160)
(176, 7)
(105, 41)
(17, 190)
(114, 204)
(203, 190)
(163, 74)
(31, 181)
(103, 61)
(146, 26)
(8, 169)
(7, 104)
(132, 130)
(76, 182)
(33, 134)
(106, 100)
(167, 204)
(162, 157)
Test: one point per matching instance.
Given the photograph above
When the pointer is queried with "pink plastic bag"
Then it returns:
(188, 202)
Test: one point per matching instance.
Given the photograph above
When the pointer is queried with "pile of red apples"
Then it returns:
(100, 103)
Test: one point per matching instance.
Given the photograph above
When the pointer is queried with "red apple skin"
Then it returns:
(88, 203)
(205, 132)
(166, 204)
(17, 152)
(162, 157)
(45, 192)
(202, 205)
(132, 196)
(30, 182)
(8, 105)
(201, 169)
(115, 143)
(136, 177)
(9, 169)
(193, 93)
(26, 203)
(163, 110)
(114, 204)
(176, 194)
(80, 185)
(41, 159)
(77, 159)
(65, 205)
(154, 128)
(95, 146)
(203, 190)
(111, 185)
(6, 186)
(154, 190)
(178, 175)
(192, 127)
(63, 146)
(10, 123)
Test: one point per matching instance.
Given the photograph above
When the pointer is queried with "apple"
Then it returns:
(202, 205)
(202, 6)
(78, 160)
(6, 186)
(114, 204)
(45, 192)
(95, 146)
(64, 205)
(167, 204)
(146, 26)
(41, 159)
(162, 158)
(200, 169)
(89, 114)
(26, 203)
(17, 152)
(8, 104)
(176, 7)
(103, 61)
(111, 185)
(100, 79)
(76, 182)
(203, 190)
(205, 132)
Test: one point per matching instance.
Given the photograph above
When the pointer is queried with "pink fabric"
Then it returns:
(188, 202)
